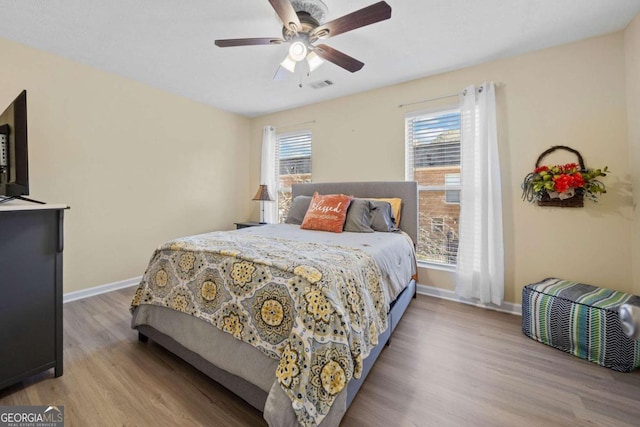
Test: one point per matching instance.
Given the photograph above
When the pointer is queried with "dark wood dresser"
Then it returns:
(31, 244)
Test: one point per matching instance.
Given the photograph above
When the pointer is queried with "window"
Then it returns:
(433, 160)
(452, 188)
(293, 165)
(437, 225)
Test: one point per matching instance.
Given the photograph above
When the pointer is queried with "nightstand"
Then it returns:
(240, 225)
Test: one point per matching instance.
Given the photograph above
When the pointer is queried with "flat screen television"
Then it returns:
(14, 159)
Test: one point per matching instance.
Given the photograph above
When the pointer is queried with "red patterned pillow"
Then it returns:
(327, 213)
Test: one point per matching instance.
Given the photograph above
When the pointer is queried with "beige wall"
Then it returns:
(137, 165)
(571, 95)
(632, 56)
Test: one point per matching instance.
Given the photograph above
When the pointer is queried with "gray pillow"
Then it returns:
(359, 217)
(382, 216)
(299, 207)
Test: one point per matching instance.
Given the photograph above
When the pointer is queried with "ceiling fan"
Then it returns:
(302, 27)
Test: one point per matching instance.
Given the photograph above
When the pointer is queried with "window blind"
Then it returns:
(433, 139)
(432, 158)
(293, 165)
(294, 153)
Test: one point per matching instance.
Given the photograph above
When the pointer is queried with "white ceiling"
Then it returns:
(168, 44)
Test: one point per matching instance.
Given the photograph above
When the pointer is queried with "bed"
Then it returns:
(251, 338)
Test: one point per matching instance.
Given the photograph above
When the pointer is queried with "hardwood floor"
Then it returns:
(448, 365)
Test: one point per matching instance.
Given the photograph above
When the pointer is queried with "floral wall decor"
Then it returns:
(563, 185)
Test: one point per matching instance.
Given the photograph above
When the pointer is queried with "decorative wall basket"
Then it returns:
(577, 201)
(562, 185)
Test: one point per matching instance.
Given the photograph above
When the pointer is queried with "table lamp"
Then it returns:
(263, 196)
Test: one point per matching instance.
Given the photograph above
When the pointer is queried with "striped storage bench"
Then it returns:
(582, 320)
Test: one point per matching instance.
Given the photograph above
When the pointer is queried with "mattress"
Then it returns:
(393, 261)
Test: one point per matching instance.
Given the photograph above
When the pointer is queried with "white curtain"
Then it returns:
(480, 266)
(268, 173)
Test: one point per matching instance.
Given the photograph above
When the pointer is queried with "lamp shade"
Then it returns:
(314, 61)
(263, 194)
(289, 64)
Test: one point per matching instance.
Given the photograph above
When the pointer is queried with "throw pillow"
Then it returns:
(396, 207)
(327, 213)
(298, 209)
(382, 216)
(359, 217)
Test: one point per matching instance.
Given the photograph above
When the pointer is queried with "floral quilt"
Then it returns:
(318, 309)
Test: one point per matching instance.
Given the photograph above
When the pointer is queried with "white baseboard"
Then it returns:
(97, 290)
(506, 307)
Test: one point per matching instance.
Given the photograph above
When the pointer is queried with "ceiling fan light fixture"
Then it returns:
(289, 64)
(298, 51)
(303, 25)
(314, 61)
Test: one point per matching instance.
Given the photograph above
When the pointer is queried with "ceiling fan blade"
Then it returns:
(287, 14)
(366, 16)
(340, 59)
(248, 42)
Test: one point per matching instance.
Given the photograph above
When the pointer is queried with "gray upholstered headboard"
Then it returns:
(406, 190)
